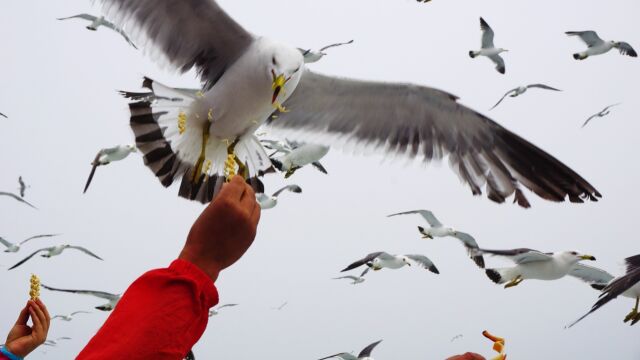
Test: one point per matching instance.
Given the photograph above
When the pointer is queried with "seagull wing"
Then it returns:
(190, 33)
(335, 45)
(632, 263)
(366, 352)
(112, 26)
(86, 251)
(610, 106)
(502, 98)
(23, 186)
(410, 119)
(5, 242)
(27, 258)
(350, 277)
(426, 214)
(343, 356)
(17, 198)
(590, 38)
(519, 256)
(226, 305)
(80, 16)
(94, 165)
(319, 167)
(542, 86)
(613, 290)
(499, 61)
(487, 35)
(591, 275)
(470, 243)
(590, 118)
(625, 49)
(292, 188)
(363, 261)
(38, 237)
(100, 294)
(3, 115)
(424, 262)
(79, 312)
(366, 270)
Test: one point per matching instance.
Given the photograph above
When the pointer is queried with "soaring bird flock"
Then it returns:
(261, 111)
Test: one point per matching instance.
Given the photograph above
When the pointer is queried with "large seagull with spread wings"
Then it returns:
(250, 81)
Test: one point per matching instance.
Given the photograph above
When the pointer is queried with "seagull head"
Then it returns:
(406, 261)
(501, 50)
(131, 148)
(285, 65)
(575, 256)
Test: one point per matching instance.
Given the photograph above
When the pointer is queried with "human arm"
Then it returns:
(22, 338)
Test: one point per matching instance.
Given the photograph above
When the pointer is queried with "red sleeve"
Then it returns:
(158, 306)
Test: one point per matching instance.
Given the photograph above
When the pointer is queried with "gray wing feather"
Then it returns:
(590, 38)
(84, 250)
(626, 49)
(3, 115)
(190, 33)
(632, 262)
(343, 356)
(422, 122)
(487, 34)
(100, 294)
(17, 198)
(542, 86)
(426, 214)
(79, 312)
(424, 262)
(38, 237)
(27, 258)
(591, 275)
(292, 188)
(5, 242)
(366, 352)
(113, 27)
(467, 240)
(499, 61)
(502, 98)
(519, 256)
(363, 261)
(335, 45)
(80, 16)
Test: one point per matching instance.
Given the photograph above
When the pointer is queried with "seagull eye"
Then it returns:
(574, 253)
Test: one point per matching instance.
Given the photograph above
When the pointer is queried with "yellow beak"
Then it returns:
(277, 86)
(588, 257)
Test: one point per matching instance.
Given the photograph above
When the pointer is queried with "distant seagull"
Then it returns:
(424, 1)
(12, 248)
(215, 311)
(55, 342)
(602, 113)
(460, 336)
(439, 230)
(627, 285)
(598, 46)
(16, 197)
(23, 186)
(355, 280)
(521, 90)
(3, 115)
(112, 298)
(314, 56)
(488, 49)
(96, 22)
(268, 202)
(533, 264)
(365, 354)
(300, 156)
(55, 251)
(70, 316)
(281, 306)
(107, 156)
(380, 260)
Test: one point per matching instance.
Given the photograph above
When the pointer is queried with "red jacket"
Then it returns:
(161, 316)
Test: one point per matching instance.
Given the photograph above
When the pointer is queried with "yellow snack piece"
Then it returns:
(182, 122)
(34, 291)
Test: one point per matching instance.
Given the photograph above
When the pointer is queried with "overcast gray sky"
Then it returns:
(59, 85)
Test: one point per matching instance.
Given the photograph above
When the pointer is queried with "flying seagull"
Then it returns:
(281, 306)
(215, 311)
(533, 264)
(70, 316)
(380, 260)
(23, 186)
(436, 229)
(16, 197)
(55, 342)
(300, 156)
(96, 22)
(54, 251)
(604, 112)
(111, 298)
(488, 49)
(355, 280)
(269, 202)
(598, 46)
(365, 354)
(12, 248)
(107, 156)
(3, 115)
(246, 77)
(314, 56)
(521, 90)
(627, 285)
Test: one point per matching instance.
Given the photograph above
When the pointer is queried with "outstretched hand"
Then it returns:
(22, 338)
(225, 229)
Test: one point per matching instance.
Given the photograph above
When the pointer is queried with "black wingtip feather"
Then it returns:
(493, 275)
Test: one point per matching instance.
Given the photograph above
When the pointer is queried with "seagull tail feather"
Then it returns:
(472, 54)
(498, 276)
(579, 56)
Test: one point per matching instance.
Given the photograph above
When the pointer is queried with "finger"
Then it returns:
(37, 328)
(44, 308)
(255, 215)
(41, 316)
(24, 316)
(248, 200)
(234, 189)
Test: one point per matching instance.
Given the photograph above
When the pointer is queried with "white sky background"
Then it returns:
(59, 85)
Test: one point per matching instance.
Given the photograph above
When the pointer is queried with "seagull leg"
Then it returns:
(633, 315)
(291, 171)
(514, 282)
(233, 161)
